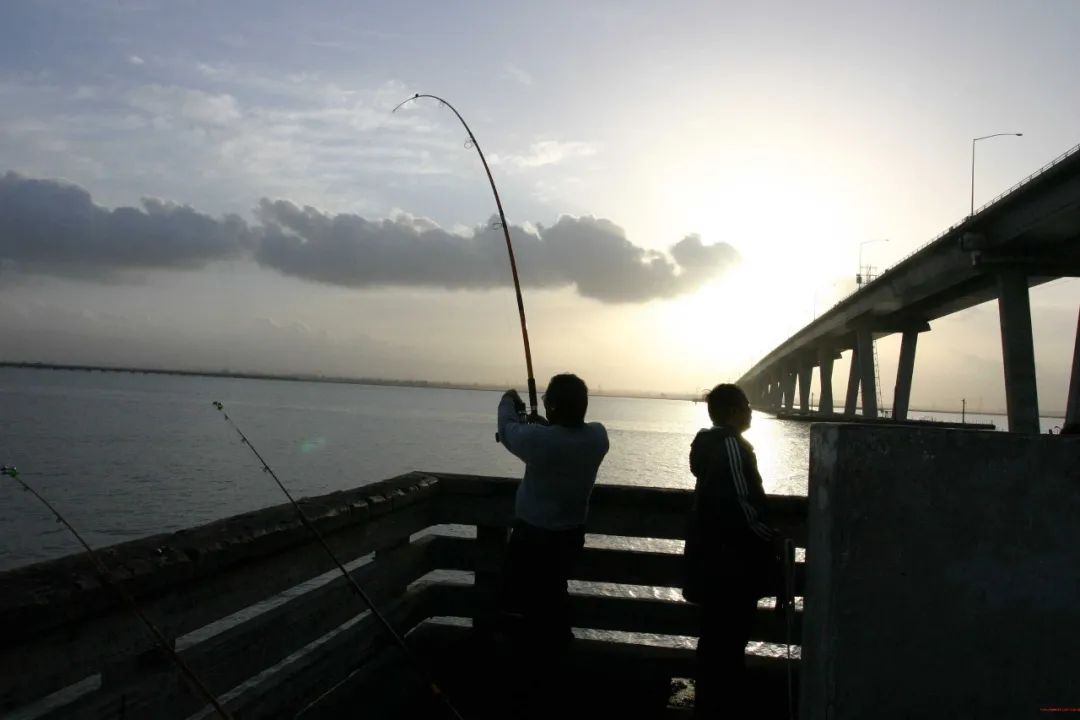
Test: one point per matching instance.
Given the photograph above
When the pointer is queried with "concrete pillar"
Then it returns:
(805, 374)
(789, 390)
(1018, 352)
(904, 371)
(825, 363)
(1072, 405)
(865, 340)
(852, 383)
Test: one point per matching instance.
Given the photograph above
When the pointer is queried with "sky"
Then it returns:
(225, 186)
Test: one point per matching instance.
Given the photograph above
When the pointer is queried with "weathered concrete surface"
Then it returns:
(944, 567)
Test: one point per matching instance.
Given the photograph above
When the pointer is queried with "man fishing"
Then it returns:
(561, 459)
(731, 552)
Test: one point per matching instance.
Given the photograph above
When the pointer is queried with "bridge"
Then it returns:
(1027, 236)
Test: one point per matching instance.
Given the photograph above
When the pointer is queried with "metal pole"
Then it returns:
(972, 212)
(973, 141)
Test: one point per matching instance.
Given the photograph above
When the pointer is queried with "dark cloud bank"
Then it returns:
(55, 228)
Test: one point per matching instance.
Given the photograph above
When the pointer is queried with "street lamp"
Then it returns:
(859, 277)
(973, 141)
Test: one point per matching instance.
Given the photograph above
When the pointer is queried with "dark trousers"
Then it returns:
(745, 571)
(533, 596)
(720, 683)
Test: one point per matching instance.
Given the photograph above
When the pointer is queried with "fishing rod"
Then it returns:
(788, 553)
(413, 660)
(509, 247)
(103, 574)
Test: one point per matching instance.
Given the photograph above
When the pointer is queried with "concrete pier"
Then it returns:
(825, 368)
(806, 372)
(867, 380)
(904, 372)
(852, 399)
(1072, 406)
(1018, 353)
(789, 389)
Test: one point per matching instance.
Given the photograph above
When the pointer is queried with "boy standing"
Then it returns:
(731, 552)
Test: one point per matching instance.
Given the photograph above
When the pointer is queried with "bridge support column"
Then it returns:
(806, 372)
(904, 372)
(1018, 352)
(1072, 406)
(865, 340)
(789, 390)
(825, 363)
(852, 398)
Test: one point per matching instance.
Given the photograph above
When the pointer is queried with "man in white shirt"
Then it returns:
(561, 459)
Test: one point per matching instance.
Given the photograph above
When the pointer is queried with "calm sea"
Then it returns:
(126, 455)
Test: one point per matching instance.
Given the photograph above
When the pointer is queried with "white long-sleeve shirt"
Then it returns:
(560, 468)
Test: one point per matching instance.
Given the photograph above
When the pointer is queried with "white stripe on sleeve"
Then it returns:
(742, 492)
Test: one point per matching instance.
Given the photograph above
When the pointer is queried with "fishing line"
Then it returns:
(789, 617)
(509, 247)
(103, 574)
(413, 660)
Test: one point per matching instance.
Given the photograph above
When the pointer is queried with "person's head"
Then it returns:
(729, 407)
(565, 400)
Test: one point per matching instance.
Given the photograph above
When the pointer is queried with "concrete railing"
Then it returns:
(253, 610)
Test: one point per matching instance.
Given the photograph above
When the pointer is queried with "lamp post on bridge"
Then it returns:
(859, 278)
(973, 141)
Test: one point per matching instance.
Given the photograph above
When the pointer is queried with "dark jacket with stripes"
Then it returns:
(728, 542)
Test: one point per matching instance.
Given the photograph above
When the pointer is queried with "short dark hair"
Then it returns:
(724, 398)
(570, 396)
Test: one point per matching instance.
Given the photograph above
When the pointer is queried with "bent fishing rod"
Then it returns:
(509, 246)
(103, 575)
(357, 588)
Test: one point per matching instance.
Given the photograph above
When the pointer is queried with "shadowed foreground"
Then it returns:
(600, 680)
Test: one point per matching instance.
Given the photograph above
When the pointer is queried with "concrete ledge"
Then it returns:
(944, 568)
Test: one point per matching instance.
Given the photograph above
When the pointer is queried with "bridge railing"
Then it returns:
(252, 606)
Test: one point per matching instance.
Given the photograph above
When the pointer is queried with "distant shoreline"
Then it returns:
(394, 382)
(296, 377)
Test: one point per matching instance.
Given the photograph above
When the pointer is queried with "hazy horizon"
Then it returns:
(201, 185)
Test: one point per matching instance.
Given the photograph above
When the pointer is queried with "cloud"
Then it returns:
(135, 60)
(55, 228)
(592, 255)
(546, 152)
(516, 73)
(166, 102)
(50, 227)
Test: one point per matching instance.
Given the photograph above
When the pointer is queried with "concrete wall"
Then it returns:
(944, 574)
